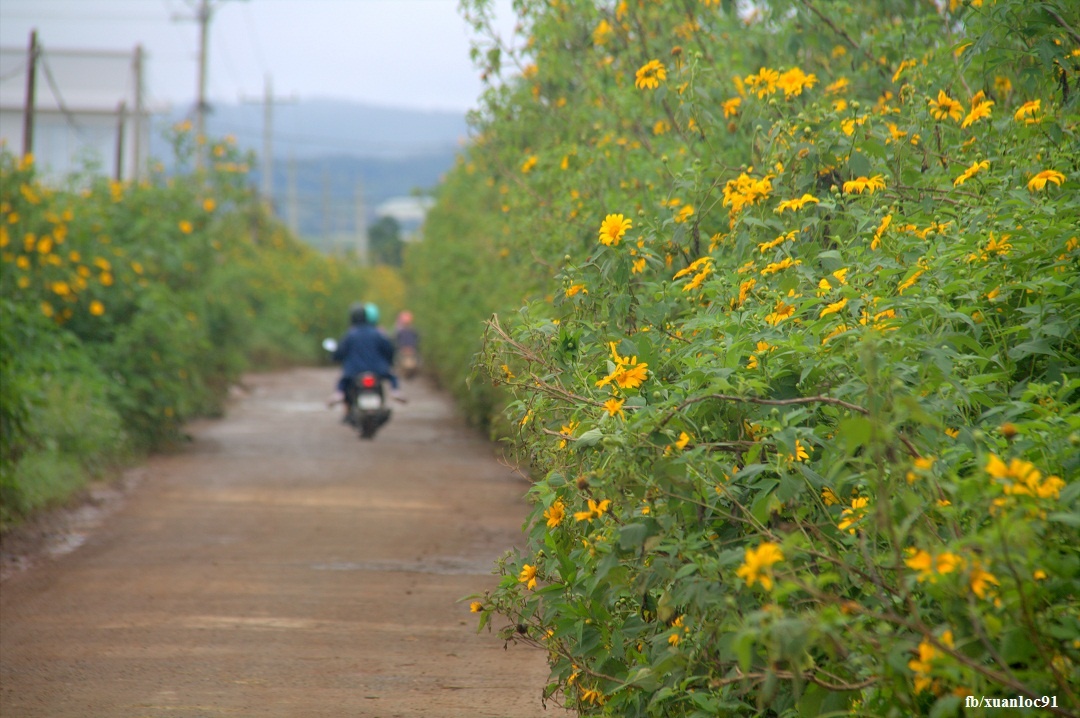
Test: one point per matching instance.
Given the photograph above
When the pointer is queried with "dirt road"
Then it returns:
(279, 566)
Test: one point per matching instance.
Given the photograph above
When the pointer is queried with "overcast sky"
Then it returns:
(398, 53)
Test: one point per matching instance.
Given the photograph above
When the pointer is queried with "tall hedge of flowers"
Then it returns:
(787, 297)
(128, 308)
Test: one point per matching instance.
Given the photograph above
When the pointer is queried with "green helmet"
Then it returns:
(372, 311)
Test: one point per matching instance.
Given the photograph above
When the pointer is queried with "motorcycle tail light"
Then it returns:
(368, 382)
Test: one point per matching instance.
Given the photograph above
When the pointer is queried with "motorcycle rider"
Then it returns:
(363, 348)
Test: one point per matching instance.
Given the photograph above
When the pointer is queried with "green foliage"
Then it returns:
(130, 308)
(384, 238)
(798, 362)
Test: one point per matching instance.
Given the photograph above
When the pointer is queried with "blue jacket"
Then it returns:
(364, 348)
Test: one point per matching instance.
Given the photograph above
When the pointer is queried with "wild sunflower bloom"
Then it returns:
(764, 82)
(476, 607)
(850, 516)
(613, 228)
(555, 514)
(528, 576)
(930, 567)
(924, 664)
(945, 107)
(800, 453)
(780, 312)
(796, 204)
(650, 75)
(867, 184)
(97, 308)
(529, 163)
(1027, 112)
(794, 81)
(979, 109)
(970, 172)
(684, 214)
(731, 107)
(185, 226)
(981, 581)
(757, 565)
(774, 267)
(1039, 181)
(602, 32)
(833, 308)
(595, 510)
(614, 406)
(627, 376)
(576, 288)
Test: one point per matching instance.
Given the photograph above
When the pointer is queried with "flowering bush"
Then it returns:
(798, 366)
(129, 308)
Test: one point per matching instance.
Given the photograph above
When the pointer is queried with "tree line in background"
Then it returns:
(777, 303)
(130, 308)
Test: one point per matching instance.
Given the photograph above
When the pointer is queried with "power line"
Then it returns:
(55, 88)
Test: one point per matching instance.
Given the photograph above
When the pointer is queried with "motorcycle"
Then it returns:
(365, 400)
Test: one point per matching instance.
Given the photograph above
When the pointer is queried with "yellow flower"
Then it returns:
(1028, 111)
(574, 289)
(661, 127)
(944, 107)
(850, 516)
(764, 82)
(980, 581)
(903, 66)
(613, 228)
(909, 282)
(684, 214)
(774, 267)
(970, 172)
(476, 607)
(794, 81)
(595, 510)
(861, 184)
(829, 497)
(614, 406)
(979, 110)
(731, 107)
(839, 86)
(796, 204)
(766, 246)
(684, 439)
(800, 453)
(185, 226)
(930, 567)
(638, 266)
(757, 565)
(923, 665)
(529, 163)
(555, 514)
(602, 32)
(209, 204)
(650, 75)
(780, 312)
(833, 308)
(567, 431)
(528, 576)
(97, 308)
(673, 639)
(1039, 181)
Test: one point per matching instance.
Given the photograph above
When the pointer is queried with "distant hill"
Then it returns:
(335, 147)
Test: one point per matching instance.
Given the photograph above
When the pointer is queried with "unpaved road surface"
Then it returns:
(278, 566)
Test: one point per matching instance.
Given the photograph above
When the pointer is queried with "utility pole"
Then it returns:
(362, 249)
(138, 128)
(204, 12)
(31, 82)
(268, 101)
(293, 199)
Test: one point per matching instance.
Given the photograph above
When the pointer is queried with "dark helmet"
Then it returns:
(358, 314)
